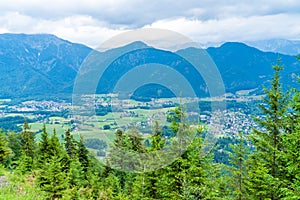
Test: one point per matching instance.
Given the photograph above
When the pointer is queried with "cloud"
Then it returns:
(80, 29)
(137, 13)
(206, 21)
(235, 29)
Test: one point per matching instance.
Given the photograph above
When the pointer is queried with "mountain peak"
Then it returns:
(227, 45)
(129, 46)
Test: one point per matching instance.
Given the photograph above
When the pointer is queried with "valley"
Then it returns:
(111, 114)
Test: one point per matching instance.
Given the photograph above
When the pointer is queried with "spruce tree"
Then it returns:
(124, 158)
(145, 184)
(238, 169)
(190, 175)
(14, 144)
(28, 144)
(83, 155)
(4, 151)
(52, 179)
(43, 148)
(291, 154)
(157, 141)
(28, 150)
(118, 156)
(268, 141)
(76, 174)
(70, 144)
(54, 148)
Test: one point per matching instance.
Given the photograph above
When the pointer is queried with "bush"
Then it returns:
(95, 143)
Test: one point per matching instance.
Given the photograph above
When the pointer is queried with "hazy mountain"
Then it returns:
(39, 64)
(44, 65)
(288, 47)
(243, 67)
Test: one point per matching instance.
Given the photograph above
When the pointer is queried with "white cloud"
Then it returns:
(235, 29)
(207, 21)
(140, 12)
(81, 29)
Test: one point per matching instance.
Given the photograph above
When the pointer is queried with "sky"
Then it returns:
(92, 22)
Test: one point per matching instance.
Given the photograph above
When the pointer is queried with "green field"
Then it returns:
(104, 127)
(59, 128)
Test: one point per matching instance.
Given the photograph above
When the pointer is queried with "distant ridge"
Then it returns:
(243, 67)
(44, 66)
(288, 47)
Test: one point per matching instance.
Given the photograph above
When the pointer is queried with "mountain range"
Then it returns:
(45, 66)
(38, 65)
(288, 47)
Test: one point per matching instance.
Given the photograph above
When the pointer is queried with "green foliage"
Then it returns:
(106, 127)
(83, 156)
(28, 144)
(188, 177)
(156, 140)
(10, 123)
(70, 144)
(43, 148)
(290, 155)
(238, 170)
(14, 144)
(52, 179)
(175, 117)
(95, 143)
(25, 164)
(265, 162)
(76, 174)
(122, 154)
(27, 161)
(4, 151)
(55, 148)
(291, 165)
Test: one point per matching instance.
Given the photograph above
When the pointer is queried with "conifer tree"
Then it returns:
(28, 144)
(188, 177)
(265, 169)
(291, 154)
(70, 144)
(15, 146)
(83, 155)
(136, 141)
(52, 179)
(118, 156)
(156, 140)
(124, 158)
(238, 175)
(95, 177)
(175, 117)
(111, 188)
(43, 150)
(146, 182)
(4, 151)
(55, 148)
(28, 149)
(117, 163)
(76, 174)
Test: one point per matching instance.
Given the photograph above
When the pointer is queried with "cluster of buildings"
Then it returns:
(33, 106)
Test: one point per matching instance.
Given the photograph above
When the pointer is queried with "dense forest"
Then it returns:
(262, 165)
